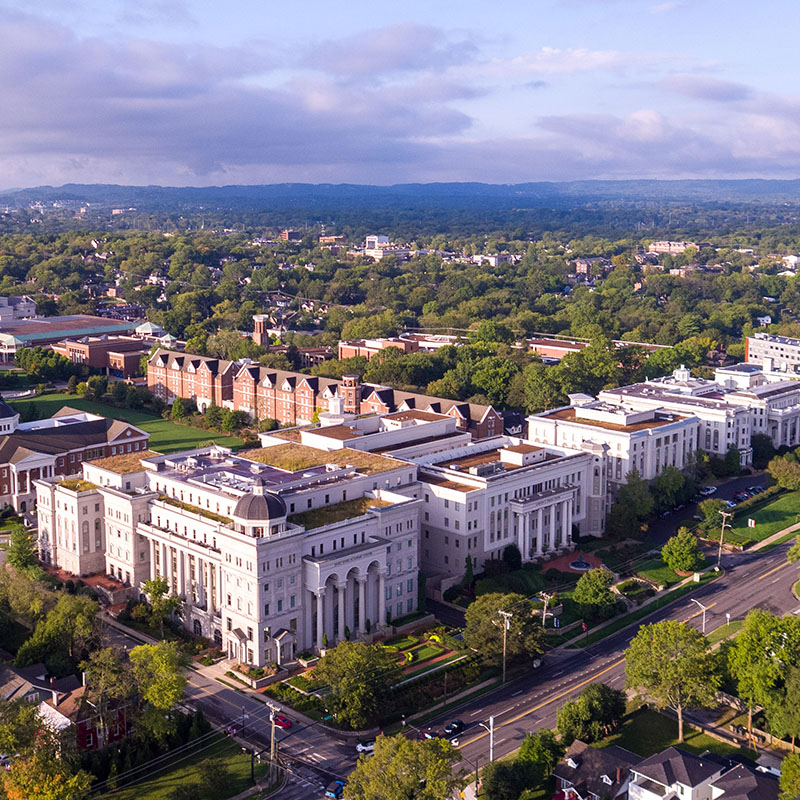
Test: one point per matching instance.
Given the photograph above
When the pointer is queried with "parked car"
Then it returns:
(730, 504)
(335, 789)
(679, 507)
(698, 518)
(283, 722)
(367, 746)
(707, 491)
(665, 514)
(453, 728)
(756, 489)
(740, 496)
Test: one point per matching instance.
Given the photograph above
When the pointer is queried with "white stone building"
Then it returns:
(645, 440)
(273, 553)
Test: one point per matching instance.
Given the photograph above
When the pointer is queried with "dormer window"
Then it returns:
(606, 780)
(572, 763)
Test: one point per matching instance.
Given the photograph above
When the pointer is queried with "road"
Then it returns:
(314, 755)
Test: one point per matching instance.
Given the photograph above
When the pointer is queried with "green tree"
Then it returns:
(402, 768)
(178, 409)
(538, 754)
(72, 384)
(483, 631)
(21, 553)
(512, 557)
(162, 604)
(213, 416)
(635, 494)
(109, 680)
(119, 391)
(503, 780)
(19, 722)
(591, 716)
(593, 592)
(158, 671)
(733, 463)
(682, 551)
(763, 450)
(784, 718)
(710, 510)
(228, 423)
(667, 487)
(760, 657)
(785, 470)
(360, 677)
(790, 777)
(186, 791)
(670, 662)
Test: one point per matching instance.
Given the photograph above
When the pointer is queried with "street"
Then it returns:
(314, 755)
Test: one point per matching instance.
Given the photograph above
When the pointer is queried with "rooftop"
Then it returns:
(295, 457)
(317, 517)
(126, 463)
(78, 485)
(476, 460)
(445, 483)
(569, 415)
(195, 509)
(54, 328)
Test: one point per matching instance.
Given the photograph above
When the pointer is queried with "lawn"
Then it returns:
(165, 435)
(524, 581)
(646, 732)
(657, 571)
(402, 642)
(183, 770)
(626, 619)
(724, 631)
(426, 651)
(770, 518)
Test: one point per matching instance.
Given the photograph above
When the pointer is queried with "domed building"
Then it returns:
(9, 419)
(259, 513)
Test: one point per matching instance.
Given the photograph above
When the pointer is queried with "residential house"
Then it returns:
(594, 773)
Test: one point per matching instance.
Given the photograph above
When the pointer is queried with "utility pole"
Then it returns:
(725, 515)
(506, 615)
(546, 597)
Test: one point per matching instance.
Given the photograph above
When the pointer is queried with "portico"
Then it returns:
(543, 521)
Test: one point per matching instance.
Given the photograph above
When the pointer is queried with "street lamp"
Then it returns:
(490, 728)
(506, 615)
(704, 608)
(472, 764)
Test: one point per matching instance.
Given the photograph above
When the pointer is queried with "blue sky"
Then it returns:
(191, 92)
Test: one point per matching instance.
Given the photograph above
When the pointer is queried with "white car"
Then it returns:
(367, 747)
(708, 490)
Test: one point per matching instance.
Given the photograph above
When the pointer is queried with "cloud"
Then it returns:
(666, 8)
(702, 88)
(405, 47)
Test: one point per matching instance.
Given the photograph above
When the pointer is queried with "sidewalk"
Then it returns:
(774, 538)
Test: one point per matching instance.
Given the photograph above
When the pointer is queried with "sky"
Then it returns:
(198, 93)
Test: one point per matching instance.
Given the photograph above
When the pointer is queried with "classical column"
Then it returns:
(341, 596)
(381, 597)
(553, 527)
(212, 588)
(153, 551)
(564, 522)
(362, 603)
(181, 572)
(199, 571)
(320, 593)
(540, 532)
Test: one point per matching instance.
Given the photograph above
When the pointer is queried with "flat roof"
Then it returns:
(569, 415)
(476, 460)
(339, 432)
(47, 328)
(445, 483)
(522, 448)
(413, 413)
(296, 457)
(126, 463)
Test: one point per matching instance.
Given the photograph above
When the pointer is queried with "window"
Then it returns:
(250, 634)
(280, 606)
(266, 609)
(409, 585)
(399, 589)
(292, 601)
(229, 623)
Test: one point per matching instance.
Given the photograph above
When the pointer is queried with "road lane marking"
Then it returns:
(545, 703)
(775, 569)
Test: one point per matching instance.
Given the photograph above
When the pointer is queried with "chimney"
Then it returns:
(619, 774)
(83, 679)
(54, 694)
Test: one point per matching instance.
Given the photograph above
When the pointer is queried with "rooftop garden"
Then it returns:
(126, 463)
(293, 457)
(317, 517)
(78, 485)
(203, 512)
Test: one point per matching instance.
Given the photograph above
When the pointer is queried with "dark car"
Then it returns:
(740, 496)
(454, 728)
(335, 789)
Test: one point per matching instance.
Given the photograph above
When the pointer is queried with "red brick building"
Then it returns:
(292, 398)
(117, 355)
(369, 347)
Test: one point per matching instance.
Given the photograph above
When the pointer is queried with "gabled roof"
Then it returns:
(591, 764)
(674, 765)
(741, 783)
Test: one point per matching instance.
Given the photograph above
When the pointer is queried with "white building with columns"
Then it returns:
(274, 552)
(480, 498)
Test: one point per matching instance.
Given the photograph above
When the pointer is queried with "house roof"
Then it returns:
(741, 783)
(674, 765)
(591, 764)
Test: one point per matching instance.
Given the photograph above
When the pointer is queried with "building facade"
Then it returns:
(119, 356)
(273, 552)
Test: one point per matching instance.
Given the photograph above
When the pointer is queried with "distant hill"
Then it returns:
(329, 197)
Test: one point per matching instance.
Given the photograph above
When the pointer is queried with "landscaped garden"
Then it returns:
(773, 516)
